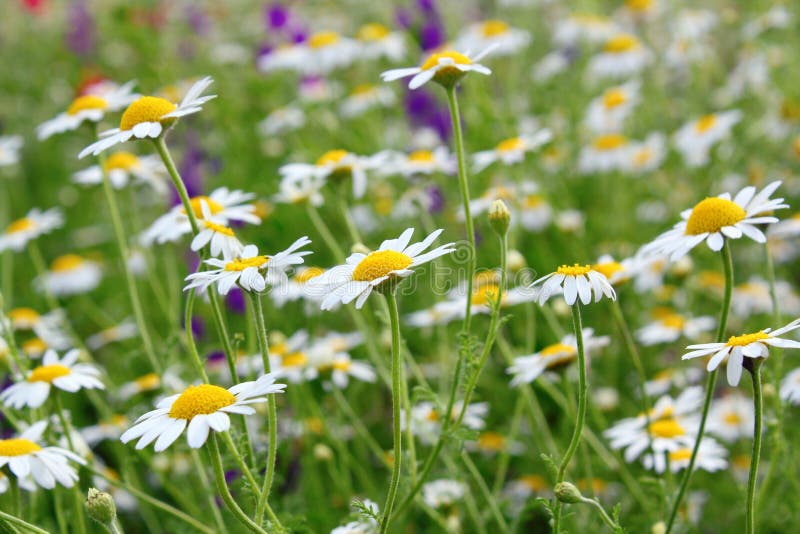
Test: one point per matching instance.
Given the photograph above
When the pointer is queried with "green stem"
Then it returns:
(212, 503)
(487, 494)
(122, 245)
(603, 514)
(394, 318)
(355, 237)
(326, 234)
(226, 437)
(758, 402)
(583, 389)
(272, 422)
(727, 264)
(198, 363)
(222, 487)
(17, 522)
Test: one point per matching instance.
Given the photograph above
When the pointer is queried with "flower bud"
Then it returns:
(322, 452)
(100, 506)
(566, 492)
(499, 217)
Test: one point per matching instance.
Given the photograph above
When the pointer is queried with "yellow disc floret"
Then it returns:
(48, 373)
(124, 161)
(482, 296)
(610, 142)
(240, 264)
(86, 102)
(23, 317)
(197, 202)
(621, 43)
(17, 447)
(67, 262)
(493, 28)
(491, 441)
(510, 145)
(372, 32)
(308, 274)
(607, 269)
(457, 58)
(421, 156)
(680, 455)
(712, 214)
(614, 97)
(146, 109)
(574, 270)
(746, 339)
(666, 428)
(295, 359)
(705, 123)
(20, 225)
(200, 400)
(331, 157)
(218, 228)
(323, 39)
(148, 382)
(379, 264)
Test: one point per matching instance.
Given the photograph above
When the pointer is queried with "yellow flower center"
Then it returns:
(533, 482)
(493, 28)
(614, 97)
(17, 447)
(20, 225)
(308, 274)
(295, 359)
(532, 201)
(673, 320)
(82, 103)
(124, 161)
(432, 416)
(556, 349)
(146, 109)
(218, 228)
(746, 339)
(148, 382)
(421, 156)
(433, 59)
(372, 32)
(666, 428)
(790, 111)
(196, 202)
(314, 425)
(240, 264)
(364, 89)
(711, 214)
(680, 455)
(610, 142)
(323, 39)
(510, 145)
(621, 43)
(342, 365)
(607, 269)
(574, 270)
(34, 347)
(642, 157)
(484, 295)
(705, 123)
(23, 317)
(639, 5)
(331, 157)
(491, 441)
(732, 418)
(67, 262)
(200, 400)
(48, 373)
(380, 263)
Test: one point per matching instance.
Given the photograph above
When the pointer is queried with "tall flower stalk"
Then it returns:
(397, 438)
(758, 409)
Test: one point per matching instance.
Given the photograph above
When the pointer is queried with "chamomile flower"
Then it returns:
(711, 457)
(63, 373)
(46, 465)
(731, 417)
(442, 312)
(365, 97)
(70, 274)
(282, 120)
(426, 419)
(199, 409)
(377, 41)
(394, 260)
(606, 153)
(367, 524)
(123, 168)
(443, 492)
(504, 39)
(149, 117)
(336, 165)
(575, 281)
(670, 326)
(526, 369)
(224, 206)
(300, 188)
(219, 238)
(446, 67)
(294, 288)
(695, 139)
(251, 271)
(124, 330)
(512, 150)
(608, 112)
(49, 327)
(790, 387)
(10, 146)
(586, 27)
(753, 297)
(87, 107)
(419, 162)
(340, 366)
(623, 55)
(615, 271)
(645, 156)
(326, 51)
(754, 345)
(36, 223)
(718, 218)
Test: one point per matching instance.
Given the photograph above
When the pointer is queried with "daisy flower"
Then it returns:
(497, 34)
(377, 41)
(645, 156)
(63, 373)
(623, 55)
(608, 112)
(526, 369)
(340, 366)
(753, 297)
(50, 327)
(365, 97)
(326, 51)
(575, 281)
(695, 139)
(443, 492)
(46, 465)
(442, 312)
(754, 345)
(711, 457)
(665, 380)
(512, 150)
(282, 120)
(731, 417)
(584, 27)
(367, 524)
(70, 274)
(790, 387)
(124, 330)
(394, 260)
(10, 146)
(421, 162)
(445, 68)
(426, 419)
(200, 408)
(300, 188)
(88, 107)
(218, 237)
(149, 117)
(224, 205)
(124, 167)
(716, 218)
(336, 165)
(294, 288)
(36, 223)
(251, 271)
(606, 153)
(670, 326)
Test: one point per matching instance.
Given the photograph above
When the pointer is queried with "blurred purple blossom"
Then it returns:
(81, 34)
(197, 19)
(236, 302)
